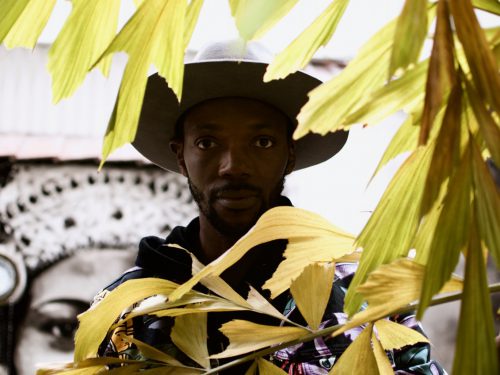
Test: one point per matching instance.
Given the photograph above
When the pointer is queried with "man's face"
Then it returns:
(235, 153)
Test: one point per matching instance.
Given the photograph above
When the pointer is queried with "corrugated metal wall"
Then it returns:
(26, 97)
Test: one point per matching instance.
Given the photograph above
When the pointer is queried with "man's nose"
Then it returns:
(234, 162)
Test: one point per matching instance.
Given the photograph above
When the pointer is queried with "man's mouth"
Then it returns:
(237, 199)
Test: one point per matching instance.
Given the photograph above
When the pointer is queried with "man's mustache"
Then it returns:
(234, 187)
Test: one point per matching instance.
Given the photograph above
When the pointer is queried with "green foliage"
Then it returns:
(151, 36)
(30, 24)
(89, 29)
(476, 354)
(302, 49)
(331, 102)
(409, 36)
(399, 204)
(11, 11)
(255, 17)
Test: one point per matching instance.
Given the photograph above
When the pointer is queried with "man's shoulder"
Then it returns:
(157, 258)
(130, 274)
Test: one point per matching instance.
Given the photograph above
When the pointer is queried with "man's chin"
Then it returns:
(235, 228)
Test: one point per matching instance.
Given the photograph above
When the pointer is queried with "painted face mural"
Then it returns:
(58, 295)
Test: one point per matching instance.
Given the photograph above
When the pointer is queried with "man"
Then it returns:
(231, 138)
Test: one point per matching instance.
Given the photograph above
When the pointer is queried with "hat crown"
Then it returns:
(234, 50)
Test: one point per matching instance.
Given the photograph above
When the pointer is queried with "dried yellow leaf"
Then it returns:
(311, 291)
(252, 370)
(90, 365)
(164, 370)
(391, 287)
(246, 336)
(358, 355)
(299, 254)
(94, 323)
(189, 334)
(395, 336)
(267, 368)
(218, 285)
(277, 223)
(384, 366)
(215, 283)
(160, 305)
(209, 306)
(152, 353)
(260, 304)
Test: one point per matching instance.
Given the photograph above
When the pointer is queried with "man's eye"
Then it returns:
(264, 142)
(205, 143)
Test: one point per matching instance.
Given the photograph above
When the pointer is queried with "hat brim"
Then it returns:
(206, 80)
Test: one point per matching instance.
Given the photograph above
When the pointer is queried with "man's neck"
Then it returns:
(212, 242)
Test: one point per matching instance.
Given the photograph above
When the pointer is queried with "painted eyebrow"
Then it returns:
(69, 301)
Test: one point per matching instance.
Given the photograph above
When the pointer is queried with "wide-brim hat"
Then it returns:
(228, 69)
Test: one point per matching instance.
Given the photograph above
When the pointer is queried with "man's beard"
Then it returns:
(224, 227)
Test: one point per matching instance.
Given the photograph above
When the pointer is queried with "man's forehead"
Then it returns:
(215, 126)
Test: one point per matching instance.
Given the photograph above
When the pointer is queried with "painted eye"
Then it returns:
(61, 328)
(205, 143)
(264, 142)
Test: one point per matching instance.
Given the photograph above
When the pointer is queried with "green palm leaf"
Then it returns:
(451, 232)
(255, 17)
(397, 217)
(302, 49)
(10, 10)
(475, 349)
(30, 24)
(151, 36)
(85, 35)
(409, 36)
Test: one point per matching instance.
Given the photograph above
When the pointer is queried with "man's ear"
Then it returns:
(177, 147)
(291, 158)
